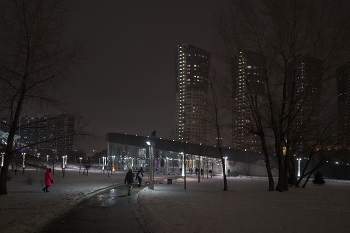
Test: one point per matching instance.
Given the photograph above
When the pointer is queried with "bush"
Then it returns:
(318, 178)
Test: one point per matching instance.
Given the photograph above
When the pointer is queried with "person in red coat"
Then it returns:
(47, 179)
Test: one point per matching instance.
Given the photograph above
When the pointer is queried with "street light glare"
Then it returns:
(148, 143)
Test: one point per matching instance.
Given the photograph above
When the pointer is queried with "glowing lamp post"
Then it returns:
(113, 158)
(2, 159)
(103, 163)
(24, 159)
(151, 172)
(64, 161)
(299, 159)
(225, 162)
(80, 158)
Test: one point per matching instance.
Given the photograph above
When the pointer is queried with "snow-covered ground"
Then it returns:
(201, 207)
(247, 207)
(27, 208)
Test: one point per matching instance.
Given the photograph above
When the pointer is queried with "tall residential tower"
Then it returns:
(343, 89)
(247, 77)
(191, 80)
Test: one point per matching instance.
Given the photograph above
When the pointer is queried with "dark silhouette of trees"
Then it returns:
(303, 42)
(35, 62)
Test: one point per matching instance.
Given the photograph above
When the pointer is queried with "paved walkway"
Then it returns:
(108, 211)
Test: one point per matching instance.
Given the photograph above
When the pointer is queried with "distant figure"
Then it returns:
(47, 179)
(129, 178)
(229, 172)
(142, 171)
(139, 176)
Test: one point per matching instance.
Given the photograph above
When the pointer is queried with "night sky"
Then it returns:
(128, 85)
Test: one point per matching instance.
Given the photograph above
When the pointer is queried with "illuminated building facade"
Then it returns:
(191, 80)
(247, 76)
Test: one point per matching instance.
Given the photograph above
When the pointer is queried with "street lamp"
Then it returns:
(64, 161)
(113, 158)
(225, 162)
(151, 151)
(2, 158)
(24, 159)
(103, 163)
(299, 159)
(80, 158)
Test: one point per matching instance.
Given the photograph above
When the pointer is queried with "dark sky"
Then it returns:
(127, 86)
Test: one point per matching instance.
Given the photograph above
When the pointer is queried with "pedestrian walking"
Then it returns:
(139, 176)
(47, 179)
(129, 179)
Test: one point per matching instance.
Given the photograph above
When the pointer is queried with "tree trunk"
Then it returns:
(224, 173)
(3, 178)
(286, 170)
(268, 165)
(280, 183)
(307, 179)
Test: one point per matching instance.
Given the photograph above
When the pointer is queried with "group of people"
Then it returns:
(129, 178)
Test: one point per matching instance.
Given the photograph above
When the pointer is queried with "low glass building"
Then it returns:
(132, 151)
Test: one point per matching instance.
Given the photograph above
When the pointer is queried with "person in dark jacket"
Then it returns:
(139, 176)
(129, 179)
(47, 179)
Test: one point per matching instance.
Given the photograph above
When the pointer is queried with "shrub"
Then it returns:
(318, 178)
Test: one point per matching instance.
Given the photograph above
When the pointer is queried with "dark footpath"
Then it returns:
(111, 210)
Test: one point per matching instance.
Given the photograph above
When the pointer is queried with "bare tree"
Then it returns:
(287, 32)
(218, 122)
(35, 61)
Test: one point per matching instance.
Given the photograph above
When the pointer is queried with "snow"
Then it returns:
(201, 207)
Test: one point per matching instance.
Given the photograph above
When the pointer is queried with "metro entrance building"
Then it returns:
(131, 151)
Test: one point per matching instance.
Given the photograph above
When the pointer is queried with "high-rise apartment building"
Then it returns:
(191, 80)
(248, 69)
(343, 91)
(44, 132)
(304, 89)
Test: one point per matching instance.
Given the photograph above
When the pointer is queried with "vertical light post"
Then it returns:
(183, 165)
(151, 172)
(299, 159)
(103, 163)
(80, 158)
(113, 158)
(2, 158)
(64, 163)
(225, 165)
(24, 159)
